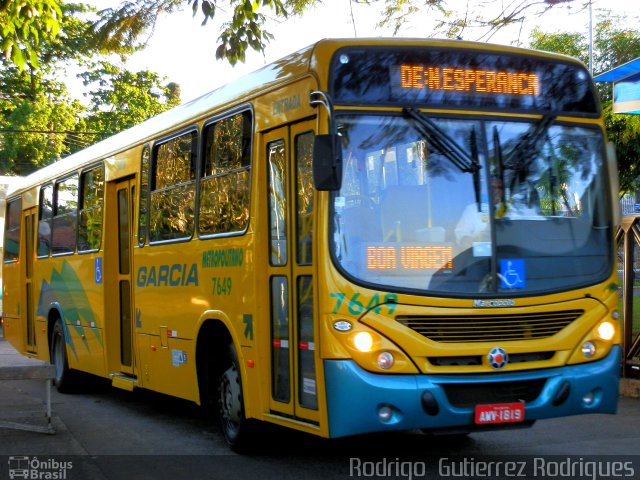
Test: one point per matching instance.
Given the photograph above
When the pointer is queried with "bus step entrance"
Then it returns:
(125, 382)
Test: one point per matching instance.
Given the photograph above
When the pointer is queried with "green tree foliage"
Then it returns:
(613, 46)
(624, 132)
(36, 132)
(472, 20)
(35, 31)
(40, 122)
(121, 99)
(26, 23)
(243, 26)
(244, 21)
(23, 25)
(572, 44)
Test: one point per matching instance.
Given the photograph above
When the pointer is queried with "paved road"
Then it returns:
(106, 433)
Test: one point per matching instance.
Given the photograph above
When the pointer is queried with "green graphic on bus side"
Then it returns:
(65, 289)
(248, 326)
(356, 304)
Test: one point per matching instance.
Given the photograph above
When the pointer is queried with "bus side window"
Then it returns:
(225, 183)
(65, 218)
(172, 201)
(46, 221)
(304, 197)
(143, 210)
(12, 230)
(90, 213)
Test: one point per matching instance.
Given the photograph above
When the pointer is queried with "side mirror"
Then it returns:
(327, 163)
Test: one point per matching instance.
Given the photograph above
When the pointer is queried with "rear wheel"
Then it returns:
(64, 375)
(238, 431)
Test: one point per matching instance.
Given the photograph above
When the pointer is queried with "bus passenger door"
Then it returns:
(290, 197)
(30, 224)
(118, 260)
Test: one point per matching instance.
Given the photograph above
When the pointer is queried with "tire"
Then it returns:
(238, 431)
(64, 375)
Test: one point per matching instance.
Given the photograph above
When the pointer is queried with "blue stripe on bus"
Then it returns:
(355, 396)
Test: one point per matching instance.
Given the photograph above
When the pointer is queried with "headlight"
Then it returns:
(606, 331)
(368, 348)
(363, 341)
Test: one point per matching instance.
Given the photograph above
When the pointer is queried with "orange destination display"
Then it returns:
(461, 79)
(469, 80)
(409, 257)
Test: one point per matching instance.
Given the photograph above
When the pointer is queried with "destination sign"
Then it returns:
(469, 80)
(404, 258)
(462, 79)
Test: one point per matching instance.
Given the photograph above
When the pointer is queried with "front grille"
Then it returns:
(474, 360)
(490, 328)
(468, 395)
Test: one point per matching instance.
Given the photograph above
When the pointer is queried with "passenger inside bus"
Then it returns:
(44, 239)
(474, 221)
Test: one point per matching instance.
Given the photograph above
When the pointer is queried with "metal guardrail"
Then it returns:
(44, 372)
(629, 206)
(629, 233)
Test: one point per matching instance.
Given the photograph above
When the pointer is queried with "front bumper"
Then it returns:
(355, 396)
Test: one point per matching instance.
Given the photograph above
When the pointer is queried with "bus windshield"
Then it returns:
(456, 207)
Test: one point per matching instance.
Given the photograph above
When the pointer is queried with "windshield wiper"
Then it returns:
(524, 152)
(521, 155)
(452, 151)
(497, 145)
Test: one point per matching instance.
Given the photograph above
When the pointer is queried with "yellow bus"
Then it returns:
(367, 235)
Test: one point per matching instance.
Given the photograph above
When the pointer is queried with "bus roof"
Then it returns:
(237, 92)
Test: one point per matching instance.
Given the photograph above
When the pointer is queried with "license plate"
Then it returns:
(499, 413)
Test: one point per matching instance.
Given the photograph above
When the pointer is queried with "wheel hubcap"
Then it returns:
(58, 357)
(230, 402)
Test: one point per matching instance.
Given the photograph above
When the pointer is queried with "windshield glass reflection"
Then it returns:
(466, 207)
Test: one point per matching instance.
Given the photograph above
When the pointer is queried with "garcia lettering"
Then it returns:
(176, 275)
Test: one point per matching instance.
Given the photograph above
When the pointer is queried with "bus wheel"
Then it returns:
(235, 426)
(64, 375)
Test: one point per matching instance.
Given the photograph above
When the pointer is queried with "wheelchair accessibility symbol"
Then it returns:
(512, 274)
(98, 270)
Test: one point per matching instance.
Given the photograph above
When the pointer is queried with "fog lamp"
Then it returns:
(385, 360)
(588, 398)
(606, 331)
(385, 414)
(588, 349)
(363, 341)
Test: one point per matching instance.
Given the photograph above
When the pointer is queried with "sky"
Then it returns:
(183, 51)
